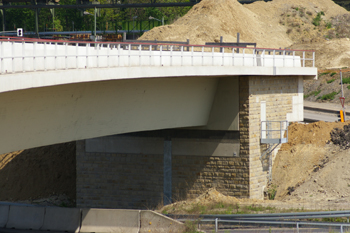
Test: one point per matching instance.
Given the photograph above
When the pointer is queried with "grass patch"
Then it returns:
(228, 208)
(324, 73)
(191, 226)
(348, 87)
(271, 192)
(329, 96)
(333, 73)
(330, 81)
(314, 93)
(317, 20)
(346, 80)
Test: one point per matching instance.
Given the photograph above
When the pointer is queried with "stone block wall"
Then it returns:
(277, 93)
(112, 180)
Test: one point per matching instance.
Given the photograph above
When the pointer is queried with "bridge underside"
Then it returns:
(44, 116)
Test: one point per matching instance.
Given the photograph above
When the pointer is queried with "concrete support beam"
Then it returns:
(167, 172)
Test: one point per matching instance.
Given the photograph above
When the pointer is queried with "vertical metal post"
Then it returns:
(303, 58)
(95, 12)
(3, 20)
(221, 40)
(216, 225)
(297, 227)
(342, 94)
(238, 35)
(167, 172)
(37, 22)
(341, 228)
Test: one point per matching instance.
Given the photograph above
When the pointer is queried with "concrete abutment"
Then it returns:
(127, 171)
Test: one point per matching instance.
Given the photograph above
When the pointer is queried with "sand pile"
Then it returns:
(274, 24)
(208, 20)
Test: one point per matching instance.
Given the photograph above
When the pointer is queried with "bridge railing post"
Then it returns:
(2, 58)
(45, 52)
(34, 54)
(55, 56)
(77, 55)
(23, 57)
(13, 57)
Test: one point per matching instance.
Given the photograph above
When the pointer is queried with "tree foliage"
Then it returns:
(61, 19)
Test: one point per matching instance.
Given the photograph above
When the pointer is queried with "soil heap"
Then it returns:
(274, 24)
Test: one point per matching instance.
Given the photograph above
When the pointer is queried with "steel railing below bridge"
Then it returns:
(30, 55)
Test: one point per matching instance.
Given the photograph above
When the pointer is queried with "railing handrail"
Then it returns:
(24, 39)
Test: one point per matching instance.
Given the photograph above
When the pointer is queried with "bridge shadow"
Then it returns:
(127, 171)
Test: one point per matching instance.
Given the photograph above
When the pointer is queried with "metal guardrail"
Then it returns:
(46, 54)
(270, 219)
(268, 134)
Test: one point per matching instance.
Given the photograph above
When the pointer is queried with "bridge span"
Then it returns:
(60, 91)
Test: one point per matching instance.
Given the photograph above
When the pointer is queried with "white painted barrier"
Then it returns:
(61, 219)
(26, 217)
(4, 215)
(104, 220)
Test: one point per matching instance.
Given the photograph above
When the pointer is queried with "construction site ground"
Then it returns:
(309, 172)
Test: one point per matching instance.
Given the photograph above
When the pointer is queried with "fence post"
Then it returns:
(23, 57)
(216, 225)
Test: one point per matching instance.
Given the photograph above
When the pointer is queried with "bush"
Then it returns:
(333, 73)
(346, 80)
(317, 20)
(329, 96)
(272, 192)
(314, 93)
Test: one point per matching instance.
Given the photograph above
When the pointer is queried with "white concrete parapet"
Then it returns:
(26, 55)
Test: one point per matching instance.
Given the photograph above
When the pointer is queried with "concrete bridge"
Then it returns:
(59, 91)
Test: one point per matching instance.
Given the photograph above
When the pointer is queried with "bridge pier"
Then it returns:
(131, 170)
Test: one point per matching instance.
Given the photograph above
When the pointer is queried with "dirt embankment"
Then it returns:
(315, 166)
(41, 172)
